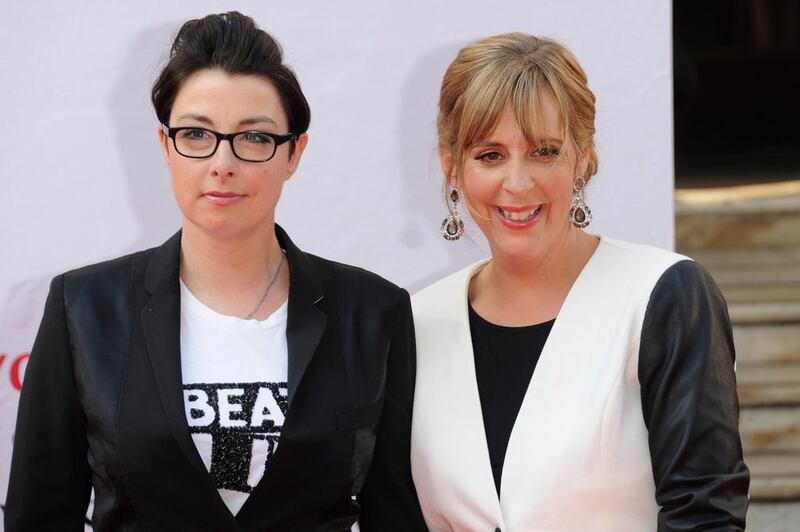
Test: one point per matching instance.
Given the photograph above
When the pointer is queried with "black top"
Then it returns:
(505, 358)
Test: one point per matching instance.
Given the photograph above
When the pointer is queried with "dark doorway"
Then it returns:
(737, 91)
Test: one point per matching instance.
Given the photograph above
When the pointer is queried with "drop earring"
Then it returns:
(452, 226)
(580, 215)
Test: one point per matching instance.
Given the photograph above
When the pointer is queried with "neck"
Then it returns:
(229, 274)
(517, 291)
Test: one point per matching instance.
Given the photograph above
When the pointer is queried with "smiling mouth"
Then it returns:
(518, 216)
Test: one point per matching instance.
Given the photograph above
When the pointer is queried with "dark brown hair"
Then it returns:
(231, 42)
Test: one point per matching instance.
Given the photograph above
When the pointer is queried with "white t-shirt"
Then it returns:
(235, 392)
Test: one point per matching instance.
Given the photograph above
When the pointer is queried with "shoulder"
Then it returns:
(686, 316)
(636, 254)
(109, 271)
(636, 268)
(357, 285)
(674, 278)
(683, 273)
(684, 289)
(102, 286)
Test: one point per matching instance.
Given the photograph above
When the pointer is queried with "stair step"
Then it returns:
(768, 384)
(748, 238)
(755, 275)
(766, 343)
(765, 215)
(747, 257)
(757, 229)
(774, 476)
(773, 429)
(764, 291)
(764, 312)
(780, 196)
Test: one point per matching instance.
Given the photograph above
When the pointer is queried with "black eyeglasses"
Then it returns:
(250, 146)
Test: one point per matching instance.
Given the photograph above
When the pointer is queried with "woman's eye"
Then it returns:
(545, 152)
(194, 134)
(489, 157)
(256, 137)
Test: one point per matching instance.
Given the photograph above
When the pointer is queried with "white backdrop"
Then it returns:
(83, 178)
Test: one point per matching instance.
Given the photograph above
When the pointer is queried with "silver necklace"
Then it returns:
(266, 291)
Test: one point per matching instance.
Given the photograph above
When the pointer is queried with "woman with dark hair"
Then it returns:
(225, 380)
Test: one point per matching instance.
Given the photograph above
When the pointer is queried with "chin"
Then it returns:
(217, 227)
(518, 247)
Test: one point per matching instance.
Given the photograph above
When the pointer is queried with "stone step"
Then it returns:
(765, 343)
(748, 238)
(755, 275)
(761, 285)
(764, 292)
(737, 266)
(746, 257)
(774, 476)
(770, 429)
(768, 384)
(764, 215)
(773, 515)
(765, 312)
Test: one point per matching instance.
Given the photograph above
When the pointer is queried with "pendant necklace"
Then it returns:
(266, 291)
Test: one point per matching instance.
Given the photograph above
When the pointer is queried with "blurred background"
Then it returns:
(736, 72)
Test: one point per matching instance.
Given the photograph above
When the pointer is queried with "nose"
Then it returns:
(519, 179)
(223, 161)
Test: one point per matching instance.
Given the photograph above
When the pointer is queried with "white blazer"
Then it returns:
(578, 456)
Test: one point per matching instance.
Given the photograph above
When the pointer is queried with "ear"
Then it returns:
(163, 140)
(300, 144)
(448, 166)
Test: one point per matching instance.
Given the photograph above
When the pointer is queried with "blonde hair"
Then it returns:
(515, 69)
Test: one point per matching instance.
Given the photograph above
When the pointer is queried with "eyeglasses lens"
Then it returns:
(254, 146)
(248, 145)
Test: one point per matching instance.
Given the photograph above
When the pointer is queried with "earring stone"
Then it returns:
(580, 215)
(452, 227)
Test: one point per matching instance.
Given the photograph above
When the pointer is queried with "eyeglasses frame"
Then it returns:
(171, 132)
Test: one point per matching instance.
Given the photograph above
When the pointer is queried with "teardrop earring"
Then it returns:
(452, 226)
(580, 215)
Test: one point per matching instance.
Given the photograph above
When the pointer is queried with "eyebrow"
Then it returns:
(245, 122)
(256, 120)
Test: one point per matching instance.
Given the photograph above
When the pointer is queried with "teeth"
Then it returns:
(519, 216)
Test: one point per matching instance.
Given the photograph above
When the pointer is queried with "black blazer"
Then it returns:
(102, 407)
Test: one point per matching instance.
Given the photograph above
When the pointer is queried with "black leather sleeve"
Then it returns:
(689, 402)
(49, 482)
(388, 498)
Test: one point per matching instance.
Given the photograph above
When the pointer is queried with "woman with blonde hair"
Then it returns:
(570, 381)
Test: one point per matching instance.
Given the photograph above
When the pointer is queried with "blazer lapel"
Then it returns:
(470, 425)
(544, 432)
(160, 319)
(305, 326)
(305, 322)
(448, 428)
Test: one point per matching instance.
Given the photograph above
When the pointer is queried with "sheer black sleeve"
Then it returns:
(688, 388)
